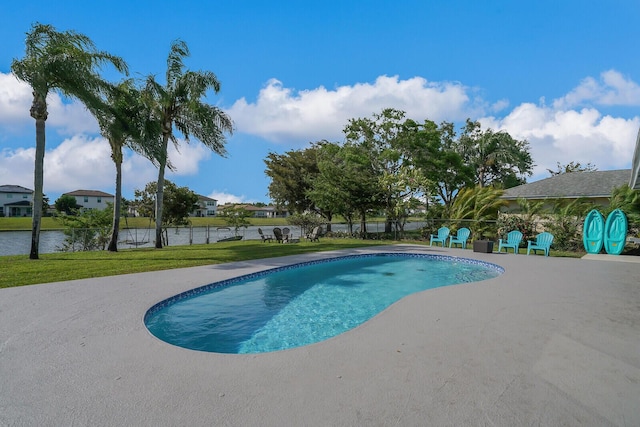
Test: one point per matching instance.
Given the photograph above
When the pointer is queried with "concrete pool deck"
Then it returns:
(552, 341)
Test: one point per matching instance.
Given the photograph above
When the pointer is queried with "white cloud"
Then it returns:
(82, 162)
(67, 117)
(282, 115)
(584, 136)
(224, 197)
(612, 89)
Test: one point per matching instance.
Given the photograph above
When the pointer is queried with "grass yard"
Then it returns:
(19, 270)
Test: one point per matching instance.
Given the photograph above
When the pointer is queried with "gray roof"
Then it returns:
(92, 193)
(572, 185)
(14, 189)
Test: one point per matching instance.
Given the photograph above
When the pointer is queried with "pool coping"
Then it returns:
(551, 341)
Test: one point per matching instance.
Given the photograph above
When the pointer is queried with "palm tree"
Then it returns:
(67, 62)
(125, 122)
(179, 104)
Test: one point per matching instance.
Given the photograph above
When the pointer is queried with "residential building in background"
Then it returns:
(206, 207)
(91, 199)
(15, 200)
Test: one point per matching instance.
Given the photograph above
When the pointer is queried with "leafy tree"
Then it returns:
(178, 104)
(125, 121)
(572, 167)
(440, 162)
(389, 143)
(87, 230)
(179, 203)
(57, 61)
(66, 204)
(292, 175)
(496, 157)
(347, 183)
(237, 217)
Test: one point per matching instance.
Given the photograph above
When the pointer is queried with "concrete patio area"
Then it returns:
(552, 341)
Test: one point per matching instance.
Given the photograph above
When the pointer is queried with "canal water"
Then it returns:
(19, 242)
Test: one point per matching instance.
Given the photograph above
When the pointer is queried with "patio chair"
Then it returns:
(265, 237)
(513, 241)
(460, 238)
(443, 234)
(277, 234)
(543, 243)
(285, 235)
(314, 236)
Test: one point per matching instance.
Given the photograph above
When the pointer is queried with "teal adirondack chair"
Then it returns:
(543, 243)
(460, 238)
(443, 234)
(513, 241)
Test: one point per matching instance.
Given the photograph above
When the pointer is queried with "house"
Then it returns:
(91, 199)
(595, 186)
(206, 207)
(15, 200)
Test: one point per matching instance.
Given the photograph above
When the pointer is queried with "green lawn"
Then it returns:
(19, 270)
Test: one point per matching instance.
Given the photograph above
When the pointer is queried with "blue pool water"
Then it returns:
(304, 303)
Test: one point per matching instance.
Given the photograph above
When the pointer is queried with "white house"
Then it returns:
(15, 200)
(206, 207)
(91, 199)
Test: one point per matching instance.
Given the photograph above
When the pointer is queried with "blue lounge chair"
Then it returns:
(443, 234)
(543, 243)
(460, 238)
(513, 241)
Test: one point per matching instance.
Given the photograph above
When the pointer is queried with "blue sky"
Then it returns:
(561, 74)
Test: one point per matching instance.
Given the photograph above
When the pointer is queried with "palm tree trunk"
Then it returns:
(113, 243)
(160, 190)
(38, 188)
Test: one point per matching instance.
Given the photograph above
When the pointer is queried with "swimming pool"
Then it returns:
(304, 303)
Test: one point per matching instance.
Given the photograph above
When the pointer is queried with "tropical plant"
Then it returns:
(565, 222)
(125, 121)
(178, 105)
(478, 206)
(67, 62)
(572, 167)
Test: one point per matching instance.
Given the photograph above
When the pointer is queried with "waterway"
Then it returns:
(19, 242)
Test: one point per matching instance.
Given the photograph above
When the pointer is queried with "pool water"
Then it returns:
(302, 304)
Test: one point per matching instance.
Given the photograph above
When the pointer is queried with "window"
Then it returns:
(24, 196)
(99, 199)
(86, 199)
(210, 203)
(9, 196)
(211, 213)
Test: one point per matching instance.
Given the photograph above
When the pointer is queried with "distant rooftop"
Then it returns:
(14, 189)
(91, 193)
(572, 185)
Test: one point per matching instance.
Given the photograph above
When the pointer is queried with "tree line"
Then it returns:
(390, 164)
(143, 116)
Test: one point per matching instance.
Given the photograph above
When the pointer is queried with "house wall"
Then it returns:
(93, 202)
(7, 199)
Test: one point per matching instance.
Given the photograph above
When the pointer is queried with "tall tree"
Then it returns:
(67, 62)
(179, 104)
(125, 121)
(496, 157)
(390, 143)
(292, 174)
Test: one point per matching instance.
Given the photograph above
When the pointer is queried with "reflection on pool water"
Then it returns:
(303, 303)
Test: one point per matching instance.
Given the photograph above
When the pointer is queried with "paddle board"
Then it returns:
(593, 232)
(615, 232)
